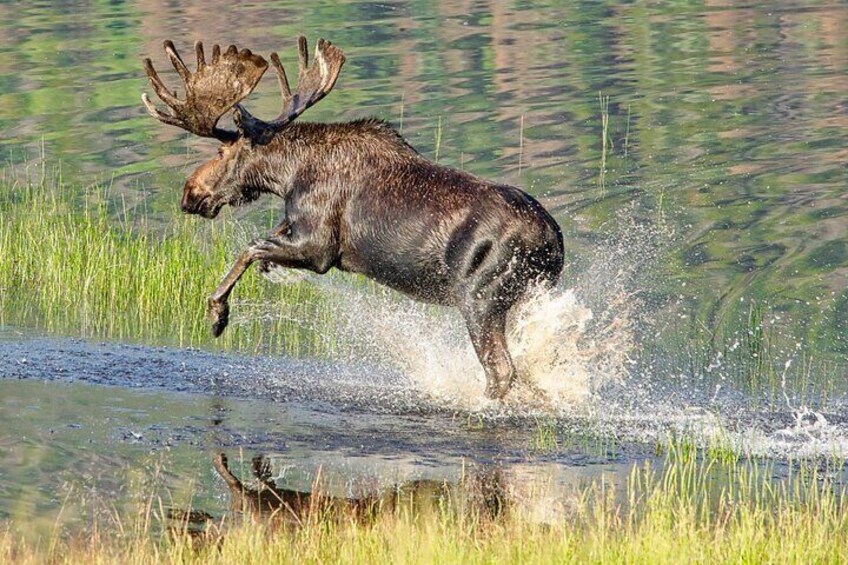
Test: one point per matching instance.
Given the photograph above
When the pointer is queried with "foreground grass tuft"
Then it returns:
(697, 509)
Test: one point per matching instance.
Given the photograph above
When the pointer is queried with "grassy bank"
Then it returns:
(70, 265)
(695, 510)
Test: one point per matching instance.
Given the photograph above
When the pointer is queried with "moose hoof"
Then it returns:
(219, 314)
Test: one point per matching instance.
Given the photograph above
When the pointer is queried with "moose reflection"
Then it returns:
(356, 196)
(484, 494)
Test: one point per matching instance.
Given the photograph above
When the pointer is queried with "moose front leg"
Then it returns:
(281, 230)
(277, 250)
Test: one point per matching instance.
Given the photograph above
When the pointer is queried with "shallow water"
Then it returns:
(726, 124)
(89, 427)
(81, 419)
(705, 226)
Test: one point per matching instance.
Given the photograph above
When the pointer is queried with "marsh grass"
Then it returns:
(549, 436)
(748, 353)
(520, 143)
(545, 437)
(437, 140)
(696, 508)
(606, 141)
(67, 266)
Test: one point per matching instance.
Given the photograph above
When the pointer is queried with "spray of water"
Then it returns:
(562, 353)
(572, 348)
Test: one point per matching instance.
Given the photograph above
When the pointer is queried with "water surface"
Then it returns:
(695, 155)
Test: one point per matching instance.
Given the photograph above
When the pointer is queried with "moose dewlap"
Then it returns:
(357, 197)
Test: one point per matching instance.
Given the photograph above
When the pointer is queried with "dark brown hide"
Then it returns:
(358, 198)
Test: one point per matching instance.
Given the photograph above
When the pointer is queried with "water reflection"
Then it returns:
(263, 496)
(70, 450)
(722, 205)
(725, 121)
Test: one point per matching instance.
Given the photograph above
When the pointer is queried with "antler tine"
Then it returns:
(302, 55)
(177, 61)
(160, 115)
(313, 83)
(158, 86)
(285, 90)
(201, 58)
(210, 91)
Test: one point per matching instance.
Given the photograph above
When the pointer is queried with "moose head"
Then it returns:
(215, 88)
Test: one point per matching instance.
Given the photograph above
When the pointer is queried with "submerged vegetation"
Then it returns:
(696, 509)
(67, 266)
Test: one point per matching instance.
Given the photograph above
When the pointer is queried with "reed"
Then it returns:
(437, 138)
(606, 141)
(67, 266)
(693, 509)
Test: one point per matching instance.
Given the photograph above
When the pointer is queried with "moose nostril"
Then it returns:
(187, 204)
(193, 204)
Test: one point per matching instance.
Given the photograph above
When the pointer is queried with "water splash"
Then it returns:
(562, 352)
(572, 348)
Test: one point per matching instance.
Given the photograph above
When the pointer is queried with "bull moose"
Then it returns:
(357, 197)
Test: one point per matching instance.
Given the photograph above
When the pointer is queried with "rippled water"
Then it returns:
(93, 427)
(726, 122)
(695, 155)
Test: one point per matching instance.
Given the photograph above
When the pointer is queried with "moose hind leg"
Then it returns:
(488, 335)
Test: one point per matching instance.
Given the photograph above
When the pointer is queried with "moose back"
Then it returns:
(357, 197)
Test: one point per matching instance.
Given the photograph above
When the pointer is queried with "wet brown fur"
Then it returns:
(359, 198)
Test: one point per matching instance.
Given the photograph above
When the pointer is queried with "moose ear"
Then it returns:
(246, 123)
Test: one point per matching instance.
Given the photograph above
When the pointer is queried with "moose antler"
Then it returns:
(209, 92)
(313, 83)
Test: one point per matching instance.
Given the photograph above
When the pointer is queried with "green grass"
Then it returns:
(696, 509)
(67, 265)
(544, 438)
